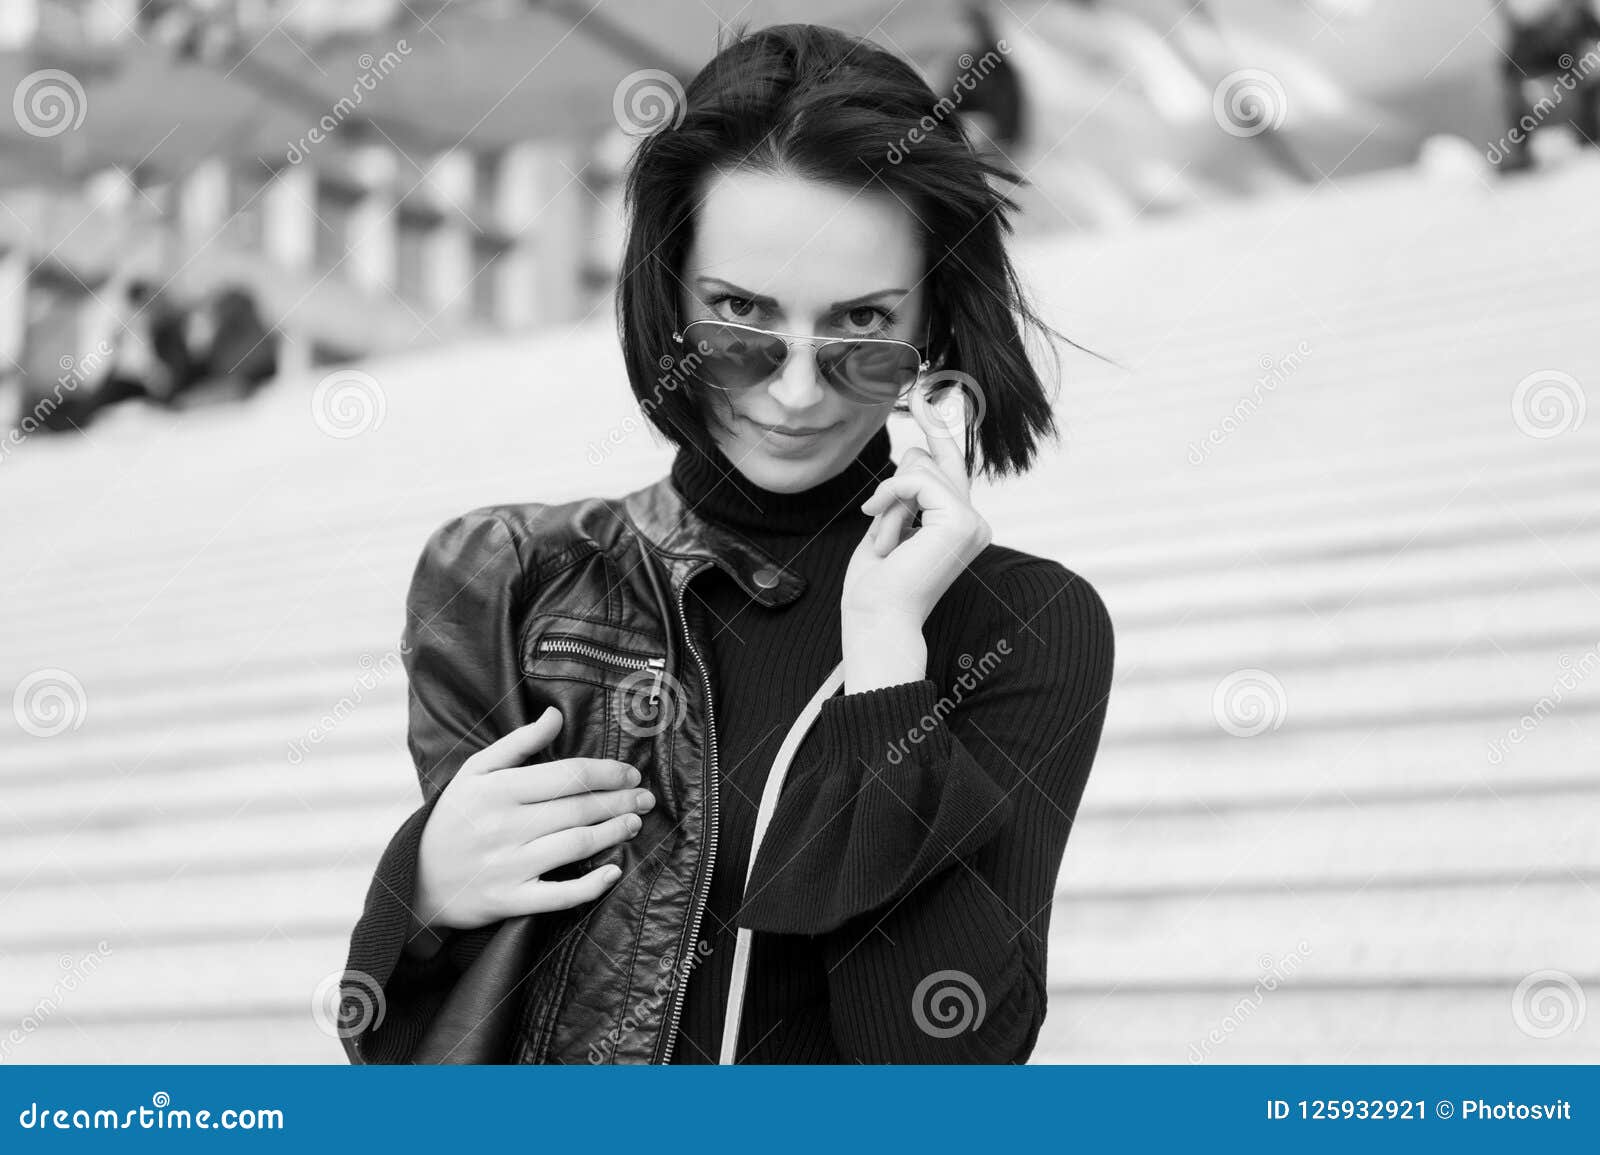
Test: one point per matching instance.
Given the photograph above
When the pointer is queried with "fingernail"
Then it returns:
(643, 799)
(633, 822)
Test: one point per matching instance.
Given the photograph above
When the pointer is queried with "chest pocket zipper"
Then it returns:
(607, 657)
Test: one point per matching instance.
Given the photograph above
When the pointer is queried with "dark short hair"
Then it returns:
(836, 108)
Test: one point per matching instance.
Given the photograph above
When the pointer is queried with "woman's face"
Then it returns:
(781, 252)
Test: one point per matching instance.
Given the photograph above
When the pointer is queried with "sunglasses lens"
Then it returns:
(733, 358)
(869, 371)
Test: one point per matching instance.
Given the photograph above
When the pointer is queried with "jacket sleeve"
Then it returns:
(464, 691)
(924, 838)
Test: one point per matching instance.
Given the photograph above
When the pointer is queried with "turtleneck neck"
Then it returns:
(718, 492)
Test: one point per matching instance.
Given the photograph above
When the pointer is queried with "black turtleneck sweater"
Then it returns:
(902, 897)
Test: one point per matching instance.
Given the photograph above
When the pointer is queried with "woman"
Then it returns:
(572, 887)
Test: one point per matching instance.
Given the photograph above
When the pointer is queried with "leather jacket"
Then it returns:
(514, 608)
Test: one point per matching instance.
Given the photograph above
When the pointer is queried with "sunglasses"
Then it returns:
(867, 370)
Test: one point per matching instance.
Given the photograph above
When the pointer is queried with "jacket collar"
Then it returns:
(659, 514)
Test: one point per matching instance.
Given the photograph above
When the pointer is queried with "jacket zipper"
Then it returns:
(681, 988)
(572, 645)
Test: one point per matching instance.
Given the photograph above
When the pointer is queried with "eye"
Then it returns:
(864, 320)
(732, 308)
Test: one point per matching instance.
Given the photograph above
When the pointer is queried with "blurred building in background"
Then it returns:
(379, 174)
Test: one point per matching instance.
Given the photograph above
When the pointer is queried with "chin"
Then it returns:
(781, 471)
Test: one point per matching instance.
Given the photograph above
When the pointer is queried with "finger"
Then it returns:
(518, 746)
(944, 423)
(539, 896)
(543, 781)
(891, 531)
(925, 488)
(586, 810)
(579, 842)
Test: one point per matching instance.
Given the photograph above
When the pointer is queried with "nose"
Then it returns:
(797, 385)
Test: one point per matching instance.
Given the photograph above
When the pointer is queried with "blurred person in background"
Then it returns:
(992, 97)
(58, 384)
(234, 351)
(1551, 60)
(138, 371)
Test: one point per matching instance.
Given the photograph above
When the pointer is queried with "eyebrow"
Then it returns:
(762, 299)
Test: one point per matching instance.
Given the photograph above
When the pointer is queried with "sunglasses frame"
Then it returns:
(792, 339)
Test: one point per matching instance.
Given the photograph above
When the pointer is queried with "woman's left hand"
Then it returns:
(891, 575)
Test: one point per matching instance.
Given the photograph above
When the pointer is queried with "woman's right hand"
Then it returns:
(500, 824)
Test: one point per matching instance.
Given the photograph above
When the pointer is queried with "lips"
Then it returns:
(786, 433)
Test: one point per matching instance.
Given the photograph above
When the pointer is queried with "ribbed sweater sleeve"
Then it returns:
(467, 581)
(924, 836)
